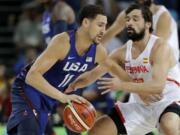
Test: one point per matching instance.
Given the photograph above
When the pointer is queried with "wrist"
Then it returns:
(61, 97)
(121, 85)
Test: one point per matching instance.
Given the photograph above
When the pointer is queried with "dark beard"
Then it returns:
(136, 36)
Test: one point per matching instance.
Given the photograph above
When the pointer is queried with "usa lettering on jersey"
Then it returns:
(75, 67)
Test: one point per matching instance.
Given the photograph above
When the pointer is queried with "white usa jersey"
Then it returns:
(140, 69)
(173, 38)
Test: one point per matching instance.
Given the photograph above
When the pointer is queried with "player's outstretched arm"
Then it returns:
(86, 78)
(106, 64)
(90, 76)
(163, 27)
(162, 61)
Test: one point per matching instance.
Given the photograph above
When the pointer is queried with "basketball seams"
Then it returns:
(92, 113)
(66, 120)
(87, 109)
(78, 117)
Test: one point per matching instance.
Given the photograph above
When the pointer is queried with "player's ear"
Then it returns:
(148, 25)
(86, 22)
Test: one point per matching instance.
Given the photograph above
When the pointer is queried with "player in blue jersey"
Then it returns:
(58, 17)
(40, 85)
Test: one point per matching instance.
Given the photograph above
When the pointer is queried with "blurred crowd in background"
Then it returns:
(21, 41)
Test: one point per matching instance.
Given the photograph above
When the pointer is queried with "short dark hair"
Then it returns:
(147, 3)
(90, 11)
(146, 13)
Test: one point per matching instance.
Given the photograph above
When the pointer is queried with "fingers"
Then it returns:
(78, 99)
(106, 91)
(155, 98)
(82, 100)
(152, 98)
(105, 79)
(105, 83)
(104, 87)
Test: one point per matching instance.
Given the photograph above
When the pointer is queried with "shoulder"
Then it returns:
(165, 15)
(58, 43)
(60, 38)
(160, 46)
(160, 42)
(101, 53)
(162, 53)
(119, 54)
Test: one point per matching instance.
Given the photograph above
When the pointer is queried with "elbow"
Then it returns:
(30, 77)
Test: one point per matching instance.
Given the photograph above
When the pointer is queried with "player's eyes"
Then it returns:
(101, 25)
(135, 19)
(127, 19)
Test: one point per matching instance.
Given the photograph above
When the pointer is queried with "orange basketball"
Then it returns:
(79, 117)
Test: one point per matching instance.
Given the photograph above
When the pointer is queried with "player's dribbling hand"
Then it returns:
(73, 97)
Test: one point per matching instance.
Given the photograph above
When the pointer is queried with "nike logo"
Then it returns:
(70, 58)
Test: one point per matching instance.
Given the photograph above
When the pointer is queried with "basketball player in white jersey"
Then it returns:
(153, 67)
(164, 25)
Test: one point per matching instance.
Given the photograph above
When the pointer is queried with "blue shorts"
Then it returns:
(27, 126)
(27, 120)
(24, 119)
(24, 110)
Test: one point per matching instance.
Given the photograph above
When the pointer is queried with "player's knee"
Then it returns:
(91, 132)
(94, 130)
(101, 126)
(98, 127)
(169, 123)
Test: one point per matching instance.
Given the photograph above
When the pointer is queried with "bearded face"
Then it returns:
(134, 35)
(135, 25)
